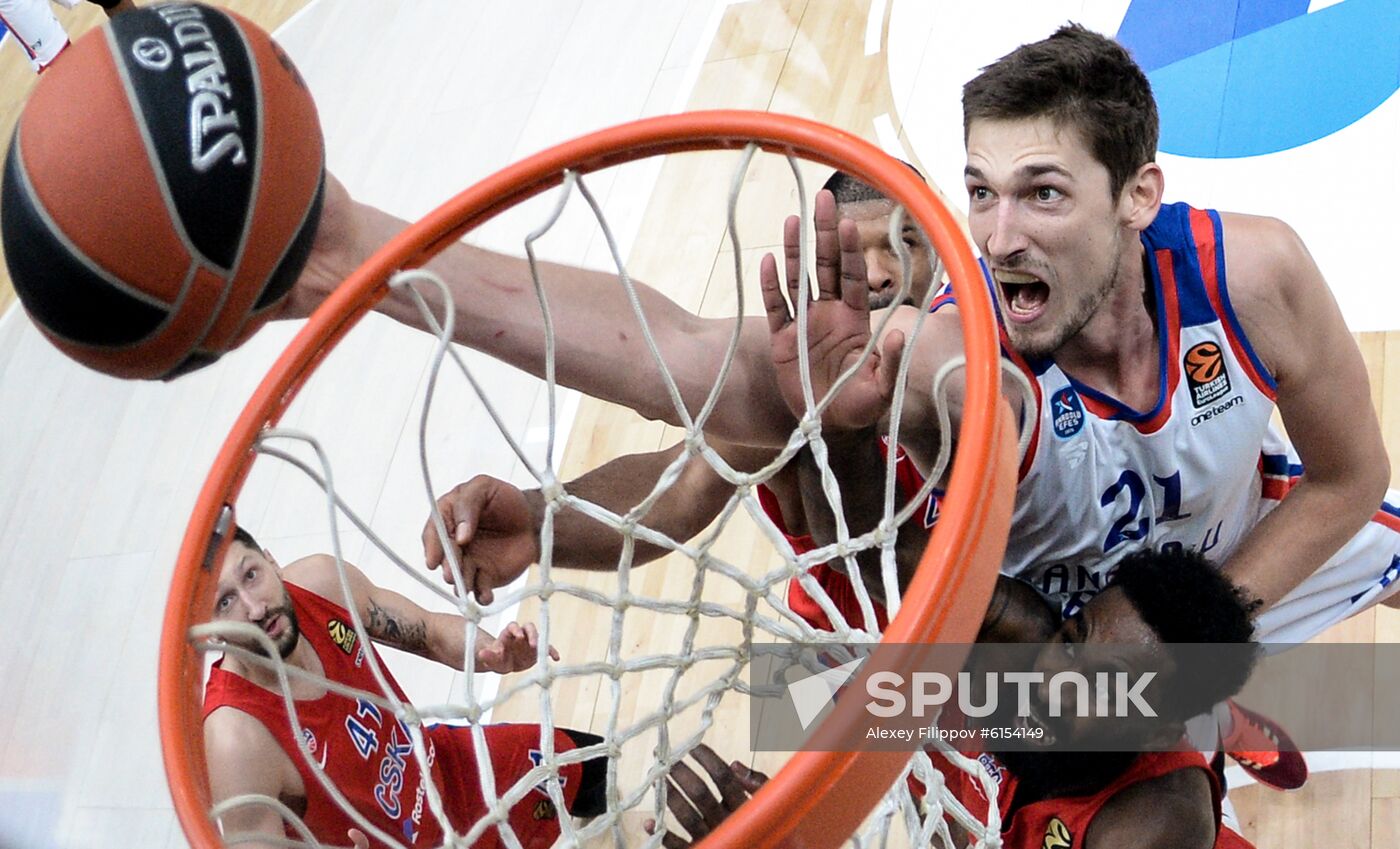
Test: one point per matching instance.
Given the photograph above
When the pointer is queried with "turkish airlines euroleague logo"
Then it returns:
(1205, 373)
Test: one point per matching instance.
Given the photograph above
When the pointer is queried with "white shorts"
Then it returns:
(35, 28)
(1363, 572)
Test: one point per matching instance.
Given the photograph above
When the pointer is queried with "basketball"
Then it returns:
(162, 190)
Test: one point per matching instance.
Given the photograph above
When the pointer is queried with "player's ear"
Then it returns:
(1141, 197)
(272, 560)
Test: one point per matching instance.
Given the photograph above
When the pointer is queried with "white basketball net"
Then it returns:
(761, 614)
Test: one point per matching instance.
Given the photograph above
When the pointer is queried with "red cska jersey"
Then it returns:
(835, 583)
(1061, 823)
(366, 752)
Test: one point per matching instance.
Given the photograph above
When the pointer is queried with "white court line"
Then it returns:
(889, 138)
(875, 27)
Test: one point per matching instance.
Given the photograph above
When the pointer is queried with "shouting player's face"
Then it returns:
(250, 590)
(1040, 210)
(883, 267)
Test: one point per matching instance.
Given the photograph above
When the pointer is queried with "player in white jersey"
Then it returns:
(1159, 340)
(1210, 422)
(38, 31)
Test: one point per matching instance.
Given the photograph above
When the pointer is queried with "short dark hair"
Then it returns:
(848, 189)
(241, 535)
(1079, 79)
(1185, 598)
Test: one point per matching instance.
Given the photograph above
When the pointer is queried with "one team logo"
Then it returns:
(1205, 373)
(1067, 412)
(343, 635)
(1057, 835)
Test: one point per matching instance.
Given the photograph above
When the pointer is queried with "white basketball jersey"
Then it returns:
(1101, 480)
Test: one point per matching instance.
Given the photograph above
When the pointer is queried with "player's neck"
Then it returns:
(303, 657)
(1116, 351)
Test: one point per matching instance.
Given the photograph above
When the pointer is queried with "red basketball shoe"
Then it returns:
(1264, 750)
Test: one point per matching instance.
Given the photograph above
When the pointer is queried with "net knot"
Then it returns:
(884, 532)
(809, 425)
(550, 487)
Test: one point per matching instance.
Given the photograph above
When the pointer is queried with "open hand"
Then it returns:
(516, 648)
(838, 324)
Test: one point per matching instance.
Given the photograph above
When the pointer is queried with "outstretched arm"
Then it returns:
(600, 350)
(394, 620)
(496, 527)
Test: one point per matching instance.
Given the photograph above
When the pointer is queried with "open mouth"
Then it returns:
(1024, 295)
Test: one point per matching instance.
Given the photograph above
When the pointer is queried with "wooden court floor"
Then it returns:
(795, 56)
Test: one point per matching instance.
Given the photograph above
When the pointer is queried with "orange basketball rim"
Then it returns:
(818, 798)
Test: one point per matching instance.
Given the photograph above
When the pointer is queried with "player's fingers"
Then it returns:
(888, 370)
(792, 257)
(357, 839)
(668, 840)
(532, 635)
(855, 285)
(828, 246)
(483, 590)
(683, 811)
(752, 779)
(730, 790)
(700, 795)
(773, 303)
(553, 653)
(433, 553)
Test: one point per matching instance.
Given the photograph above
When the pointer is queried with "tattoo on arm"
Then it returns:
(391, 629)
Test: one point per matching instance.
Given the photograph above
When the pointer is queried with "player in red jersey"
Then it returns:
(1063, 799)
(358, 744)
(1050, 797)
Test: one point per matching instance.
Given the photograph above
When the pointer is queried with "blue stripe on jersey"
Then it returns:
(1278, 465)
(1172, 230)
(1229, 315)
(1391, 509)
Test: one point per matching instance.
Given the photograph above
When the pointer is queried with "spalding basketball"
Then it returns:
(162, 190)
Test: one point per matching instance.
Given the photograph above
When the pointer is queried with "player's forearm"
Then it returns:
(447, 642)
(859, 469)
(600, 347)
(581, 542)
(1315, 519)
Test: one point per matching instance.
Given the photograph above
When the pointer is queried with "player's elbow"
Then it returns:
(1367, 480)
